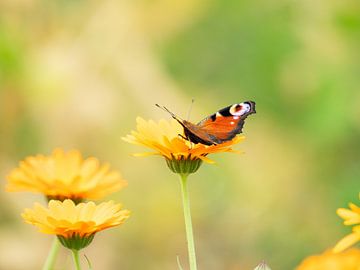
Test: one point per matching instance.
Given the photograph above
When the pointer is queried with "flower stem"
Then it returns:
(188, 223)
(54, 250)
(75, 254)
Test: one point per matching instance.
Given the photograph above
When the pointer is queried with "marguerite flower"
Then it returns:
(65, 175)
(348, 260)
(351, 217)
(183, 157)
(75, 225)
(163, 137)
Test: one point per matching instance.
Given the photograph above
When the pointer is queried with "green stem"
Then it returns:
(188, 223)
(75, 254)
(50, 260)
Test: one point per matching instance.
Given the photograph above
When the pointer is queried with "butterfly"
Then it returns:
(219, 127)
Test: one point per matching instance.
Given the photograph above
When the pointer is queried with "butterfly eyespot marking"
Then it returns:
(234, 109)
(240, 109)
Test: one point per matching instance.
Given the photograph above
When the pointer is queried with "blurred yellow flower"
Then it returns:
(65, 175)
(75, 225)
(351, 217)
(348, 260)
(163, 137)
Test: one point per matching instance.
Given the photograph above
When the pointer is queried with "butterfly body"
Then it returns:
(219, 127)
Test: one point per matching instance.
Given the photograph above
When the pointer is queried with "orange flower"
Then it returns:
(75, 224)
(65, 175)
(163, 137)
(349, 260)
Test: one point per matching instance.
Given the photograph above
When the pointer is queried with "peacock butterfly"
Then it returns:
(219, 127)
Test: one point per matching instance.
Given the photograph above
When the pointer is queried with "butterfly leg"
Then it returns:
(187, 139)
(183, 137)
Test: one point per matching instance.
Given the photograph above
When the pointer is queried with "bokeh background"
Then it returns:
(75, 74)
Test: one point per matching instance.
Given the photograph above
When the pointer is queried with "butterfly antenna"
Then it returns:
(166, 110)
(190, 109)
(171, 113)
(179, 120)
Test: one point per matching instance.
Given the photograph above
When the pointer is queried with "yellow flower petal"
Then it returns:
(354, 208)
(65, 175)
(346, 242)
(351, 217)
(66, 219)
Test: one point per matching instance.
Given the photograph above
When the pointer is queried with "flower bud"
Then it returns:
(262, 266)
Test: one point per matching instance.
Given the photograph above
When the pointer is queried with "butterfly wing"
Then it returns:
(226, 123)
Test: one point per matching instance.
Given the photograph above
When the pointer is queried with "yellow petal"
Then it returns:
(64, 175)
(66, 219)
(346, 242)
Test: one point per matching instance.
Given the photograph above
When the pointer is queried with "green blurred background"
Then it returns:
(75, 74)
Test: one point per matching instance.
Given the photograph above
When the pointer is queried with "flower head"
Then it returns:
(349, 260)
(163, 137)
(65, 175)
(351, 217)
(75, 225)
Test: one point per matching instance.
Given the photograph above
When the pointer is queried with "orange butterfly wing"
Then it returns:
(222, 129)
